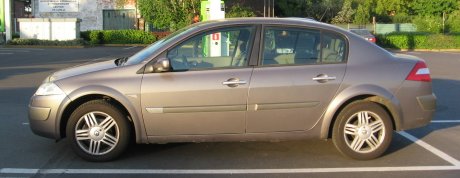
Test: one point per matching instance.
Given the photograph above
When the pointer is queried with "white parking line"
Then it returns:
(430, 148)
(445, 121)
(9, 50)
(224, 171)
(6, 53)
(35, 49)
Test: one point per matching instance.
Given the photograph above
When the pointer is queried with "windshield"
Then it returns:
(149, 50)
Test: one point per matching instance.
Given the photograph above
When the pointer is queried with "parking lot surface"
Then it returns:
(431, 151)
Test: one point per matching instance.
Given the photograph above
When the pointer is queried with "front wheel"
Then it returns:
(363, 130)
(98, 131)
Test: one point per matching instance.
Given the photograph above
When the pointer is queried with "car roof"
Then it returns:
(296, 21)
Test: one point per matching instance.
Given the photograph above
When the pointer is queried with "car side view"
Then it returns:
(243, 79)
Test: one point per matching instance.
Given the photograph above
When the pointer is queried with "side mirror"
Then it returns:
(161, 65)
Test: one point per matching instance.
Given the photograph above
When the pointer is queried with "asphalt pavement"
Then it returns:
(431, 151)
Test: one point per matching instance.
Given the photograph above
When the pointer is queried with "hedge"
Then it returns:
(37, 42)
(118, 37)
(419, 40)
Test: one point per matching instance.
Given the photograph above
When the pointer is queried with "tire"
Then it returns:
(103, 131)
(363, 130)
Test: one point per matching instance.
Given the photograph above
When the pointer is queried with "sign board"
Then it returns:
(58, 5)
(2, 15)
(216, 45)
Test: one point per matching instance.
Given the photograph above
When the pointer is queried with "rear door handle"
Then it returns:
(234, 82)
(323, 78)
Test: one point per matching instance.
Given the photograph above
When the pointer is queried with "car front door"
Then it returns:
(206, 90)
(299, 73)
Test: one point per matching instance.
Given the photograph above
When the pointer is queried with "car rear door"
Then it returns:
(299, 73)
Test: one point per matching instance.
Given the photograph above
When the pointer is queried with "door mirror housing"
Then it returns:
(161, 65)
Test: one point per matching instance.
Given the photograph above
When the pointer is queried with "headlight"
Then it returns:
(48, 89)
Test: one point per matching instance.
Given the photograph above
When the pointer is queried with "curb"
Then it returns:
(122, 45)
(86, 46)
(39, 46)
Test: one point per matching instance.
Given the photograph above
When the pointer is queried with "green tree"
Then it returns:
(323, 10)
(453, 22)
(239, 11)
(345, 15)
(434, 7)
(364, 12)
(386, 7)
(290, 8)
(432, 24)
(169, 14)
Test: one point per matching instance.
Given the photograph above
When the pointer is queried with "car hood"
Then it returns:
(82, 69)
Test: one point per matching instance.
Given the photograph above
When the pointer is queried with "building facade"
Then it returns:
(94, 14)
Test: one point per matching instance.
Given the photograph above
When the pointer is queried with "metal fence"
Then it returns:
(382, 28)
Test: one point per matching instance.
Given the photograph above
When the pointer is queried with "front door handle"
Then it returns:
(234, 82)
(323, 78)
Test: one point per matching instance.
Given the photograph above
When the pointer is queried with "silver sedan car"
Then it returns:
(251, 79)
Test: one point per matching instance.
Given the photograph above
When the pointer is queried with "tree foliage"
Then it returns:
(169, 14)
(239, 11)
(387, 7)
(345, 15)
(323, 10)
(434, 7)
(364, 12)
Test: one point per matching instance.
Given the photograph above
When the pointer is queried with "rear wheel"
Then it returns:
(363, 130)
(98, 131)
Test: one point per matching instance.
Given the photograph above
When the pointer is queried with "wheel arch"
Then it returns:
(371, 93)
(85, 94)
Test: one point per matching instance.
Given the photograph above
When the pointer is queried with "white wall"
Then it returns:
(49, 29)
(90, 12)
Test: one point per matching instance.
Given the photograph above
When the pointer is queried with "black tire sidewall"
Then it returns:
(112, 111)
(345, 114)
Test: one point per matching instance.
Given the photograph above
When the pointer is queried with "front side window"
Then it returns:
(226, 47)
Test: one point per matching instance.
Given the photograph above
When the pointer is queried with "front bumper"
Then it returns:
(43, 115)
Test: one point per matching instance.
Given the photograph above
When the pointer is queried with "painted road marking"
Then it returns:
(445, 121)
(20, 51)
(224, 171)
(455, 166)
(430, 148)
(36, 49)
(6, 53)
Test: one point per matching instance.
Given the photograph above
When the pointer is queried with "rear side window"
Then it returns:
(333, 48)
(287, 46)
(297, 46)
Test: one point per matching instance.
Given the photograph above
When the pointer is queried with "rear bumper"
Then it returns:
(427, 102)
(418, 104)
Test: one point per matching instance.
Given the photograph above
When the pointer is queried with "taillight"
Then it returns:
(373, 40)
(420, 72)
